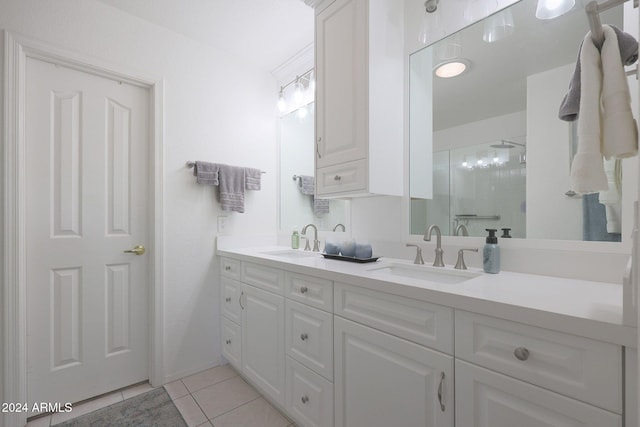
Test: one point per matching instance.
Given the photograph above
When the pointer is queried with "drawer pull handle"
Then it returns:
(228, 342)
(337, 178)
(228, 299)
(521, 353)
(304, 337)
(240, 300)
(304, 290)
(227, 267)
(442, 408)
(304, 399)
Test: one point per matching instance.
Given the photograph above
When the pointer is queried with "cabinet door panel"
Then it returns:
(263, 340)
(230, 293)
(232, 342)
(488, 399)
(308, 337)
(309, 396)
(342, 82)
(382, 380)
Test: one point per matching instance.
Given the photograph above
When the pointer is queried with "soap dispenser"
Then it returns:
(295, 238)
(505, 233)
(491, 253)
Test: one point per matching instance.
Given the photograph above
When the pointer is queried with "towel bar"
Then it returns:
(191, 164)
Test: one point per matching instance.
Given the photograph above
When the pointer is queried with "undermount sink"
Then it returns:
(423, 272)
(291, 253)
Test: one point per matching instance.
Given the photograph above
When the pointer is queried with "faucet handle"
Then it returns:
(306, 245)
(418, 259)
(460, 265)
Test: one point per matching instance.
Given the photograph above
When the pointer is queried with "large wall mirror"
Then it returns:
(501, 156)
(297, 207)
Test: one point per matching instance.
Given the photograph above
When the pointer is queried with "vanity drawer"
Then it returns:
(232, 342)
(263, 277)
(578, 367)
(309, 290)
(351, 176)
(421, 322)
(309, 397)
(230, 295)
(230, 268)
(309, 337)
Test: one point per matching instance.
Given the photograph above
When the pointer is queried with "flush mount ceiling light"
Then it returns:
(451, 68)
(549, 9)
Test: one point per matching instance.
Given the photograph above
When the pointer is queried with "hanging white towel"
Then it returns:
(605, 125)
(619, 131)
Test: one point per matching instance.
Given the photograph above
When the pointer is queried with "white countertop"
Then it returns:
(580, 307)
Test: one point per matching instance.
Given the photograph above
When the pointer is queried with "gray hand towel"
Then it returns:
(570, 105)
(206, 173)
(252, 179)
(307, 185)
(231, 187)
(320, 206)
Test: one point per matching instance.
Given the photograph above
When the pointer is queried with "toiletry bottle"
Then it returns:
(505, 233)
(295, 239)
(491, 253)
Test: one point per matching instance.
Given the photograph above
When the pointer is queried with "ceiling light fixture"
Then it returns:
(549, 9)
(451, 68)
(498, 26)
(431, 26)
(304, 92)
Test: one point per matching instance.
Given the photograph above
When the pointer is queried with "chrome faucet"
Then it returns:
(339, 225)
(427, 238)
(316, 242)
(463, 228)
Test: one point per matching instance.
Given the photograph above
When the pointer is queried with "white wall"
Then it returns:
(217, 108)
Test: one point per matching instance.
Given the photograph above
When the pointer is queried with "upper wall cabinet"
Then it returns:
(359, 98)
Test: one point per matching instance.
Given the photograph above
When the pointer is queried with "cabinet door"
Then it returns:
(382, 380)
(342, 82)
(487, 399)
(232, 342)
(263, 340)
(230, 294)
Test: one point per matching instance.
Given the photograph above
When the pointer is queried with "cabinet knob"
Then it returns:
(337, 178)
(521, 353)
(228, 342)
(227, 267)
(227, 299)
(304, 399)
(304, 337)
(304, 290)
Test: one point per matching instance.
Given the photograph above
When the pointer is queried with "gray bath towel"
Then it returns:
(206, 173)
(231, 187)
(252, 179)
(307, 185)
(570, 105)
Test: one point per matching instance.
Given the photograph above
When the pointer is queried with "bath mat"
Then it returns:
(151, 409)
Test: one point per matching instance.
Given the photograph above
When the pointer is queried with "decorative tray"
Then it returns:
(350, 258)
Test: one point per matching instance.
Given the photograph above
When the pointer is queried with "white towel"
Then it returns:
(605, 128)
(612, 198)
(619, 132)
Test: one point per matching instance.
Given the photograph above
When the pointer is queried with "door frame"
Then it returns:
(17, 49)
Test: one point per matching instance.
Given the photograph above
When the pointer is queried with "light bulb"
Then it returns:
(282, 104)
(312, 82)
(549, 9)
(465, 164)
(297, 92)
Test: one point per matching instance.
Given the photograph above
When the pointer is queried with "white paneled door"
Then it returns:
(86, 198)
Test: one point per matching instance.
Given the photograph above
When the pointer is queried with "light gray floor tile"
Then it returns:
(176, 389)
(190, 411)
(224, 396)
(257, 413)
(209, 377)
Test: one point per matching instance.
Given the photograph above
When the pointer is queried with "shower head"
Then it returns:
(503, 144)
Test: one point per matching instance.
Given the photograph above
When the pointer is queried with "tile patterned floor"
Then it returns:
(217, 397)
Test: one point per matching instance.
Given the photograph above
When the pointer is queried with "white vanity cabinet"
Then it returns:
(309, 349)
(509, 373)
(386, 380)
(253, 324)
(359, 98)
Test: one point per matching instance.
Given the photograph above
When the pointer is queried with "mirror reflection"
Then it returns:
(500, 155)
(297, 204)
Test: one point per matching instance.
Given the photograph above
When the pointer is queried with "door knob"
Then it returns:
(137, 250)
